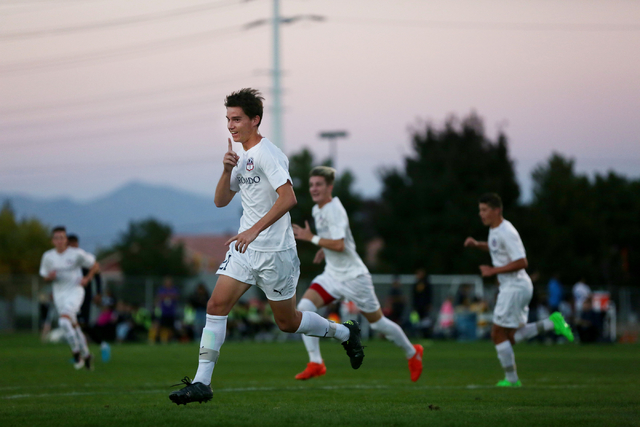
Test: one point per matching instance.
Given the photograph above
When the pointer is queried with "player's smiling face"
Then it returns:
(489, 215)
(319, 190)
(241, 127)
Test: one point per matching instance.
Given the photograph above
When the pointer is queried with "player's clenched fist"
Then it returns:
(230, 158)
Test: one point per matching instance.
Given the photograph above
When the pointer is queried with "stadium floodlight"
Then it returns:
(333, 136)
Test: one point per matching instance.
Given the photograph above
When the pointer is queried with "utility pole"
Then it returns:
(278, 138)
(333, 136)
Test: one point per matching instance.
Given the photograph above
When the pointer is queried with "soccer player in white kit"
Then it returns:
(263, 253)
(62, 266)
(512, 307)
(345, 275)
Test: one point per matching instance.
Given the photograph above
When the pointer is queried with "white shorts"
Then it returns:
(359, 290)
(276, 273)
(68, 302)
(512, 306)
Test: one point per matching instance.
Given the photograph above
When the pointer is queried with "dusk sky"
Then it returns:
(98, 93)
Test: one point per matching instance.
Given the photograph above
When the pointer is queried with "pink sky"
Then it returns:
(88, 110)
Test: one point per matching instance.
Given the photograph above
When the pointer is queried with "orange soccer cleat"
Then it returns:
(312, 370)
(415, 363)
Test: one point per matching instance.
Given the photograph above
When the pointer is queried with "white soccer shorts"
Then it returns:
(68, 302)
(359, 290)
(512, 306)
(276, 273)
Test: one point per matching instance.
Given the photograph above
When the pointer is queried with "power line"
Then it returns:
(122, 95)
(175, 42)
(499, 26)
(121, 22)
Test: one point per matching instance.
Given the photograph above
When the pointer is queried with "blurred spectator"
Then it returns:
(581, 291)
(588, 324)
(554, 293)
(422, 294)
(396, 302)
(166, 307)
(445, 325)
(105, 327)
(198, 300)
(187, 325)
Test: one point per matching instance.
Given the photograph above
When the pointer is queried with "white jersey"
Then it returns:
(67, 266)
(505, 246)
(332, 223)
(261, 170)
(581, 292)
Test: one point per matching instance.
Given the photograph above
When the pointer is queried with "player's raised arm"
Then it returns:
(223, 190)
(470, 242)
(285, 202)
(306, 234)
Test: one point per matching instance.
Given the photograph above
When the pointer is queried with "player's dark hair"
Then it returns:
(72, 238)
(492, 200)
(328, 173)
(58, 228)
(250, 100)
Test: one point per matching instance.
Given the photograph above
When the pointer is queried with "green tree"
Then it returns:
(300, 166)
(582, 228)
(146, 250)
(429, 207)
(22, 243)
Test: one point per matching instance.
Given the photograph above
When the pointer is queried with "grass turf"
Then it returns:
(254, 386)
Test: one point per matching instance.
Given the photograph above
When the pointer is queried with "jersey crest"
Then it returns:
(250, 164)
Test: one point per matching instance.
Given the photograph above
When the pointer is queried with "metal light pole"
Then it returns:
(333, 136)
(278, 138)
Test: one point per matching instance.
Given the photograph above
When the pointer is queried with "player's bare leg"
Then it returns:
(312, 301)
(225, 295)
(503, 338)
(394, 333)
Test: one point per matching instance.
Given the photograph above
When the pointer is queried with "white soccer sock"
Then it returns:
(530, 330)
(82, 341)
(394, 333)
(507, 360)
(69, 333)
(213, 336)
(317, 326)
(311, 343)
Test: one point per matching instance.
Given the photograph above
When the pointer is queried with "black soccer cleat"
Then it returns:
(353, 346)
(88, 362)
(192, 392)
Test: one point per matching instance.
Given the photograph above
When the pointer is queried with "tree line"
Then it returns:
(574, 226)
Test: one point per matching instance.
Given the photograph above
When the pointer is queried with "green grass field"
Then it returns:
(254, 386)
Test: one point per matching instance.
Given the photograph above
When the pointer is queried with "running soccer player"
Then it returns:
(512, 307)
(263, 253)
(62, 266)
(345, 276)
(85, 309)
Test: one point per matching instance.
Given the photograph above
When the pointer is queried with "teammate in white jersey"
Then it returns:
(62, 267)
(345, 275)
(263, 253)
(512, 306)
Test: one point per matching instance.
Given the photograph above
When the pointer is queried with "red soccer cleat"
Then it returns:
(313, 370)
(415, 363)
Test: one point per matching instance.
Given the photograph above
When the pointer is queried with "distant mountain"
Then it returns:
(99, 222)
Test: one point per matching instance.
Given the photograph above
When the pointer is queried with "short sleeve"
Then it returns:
(513, 245)
(45, 268)
(275, 169)
(86, 259)
(234, 185)
(338, 223)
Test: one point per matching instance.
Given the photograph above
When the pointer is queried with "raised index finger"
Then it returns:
(230, 146)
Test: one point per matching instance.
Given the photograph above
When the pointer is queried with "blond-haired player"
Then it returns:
(345, 276)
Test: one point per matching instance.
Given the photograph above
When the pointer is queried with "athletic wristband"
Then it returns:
(315, 240)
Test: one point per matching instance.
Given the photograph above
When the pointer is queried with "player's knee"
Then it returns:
(289, 325)
(217, 308)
